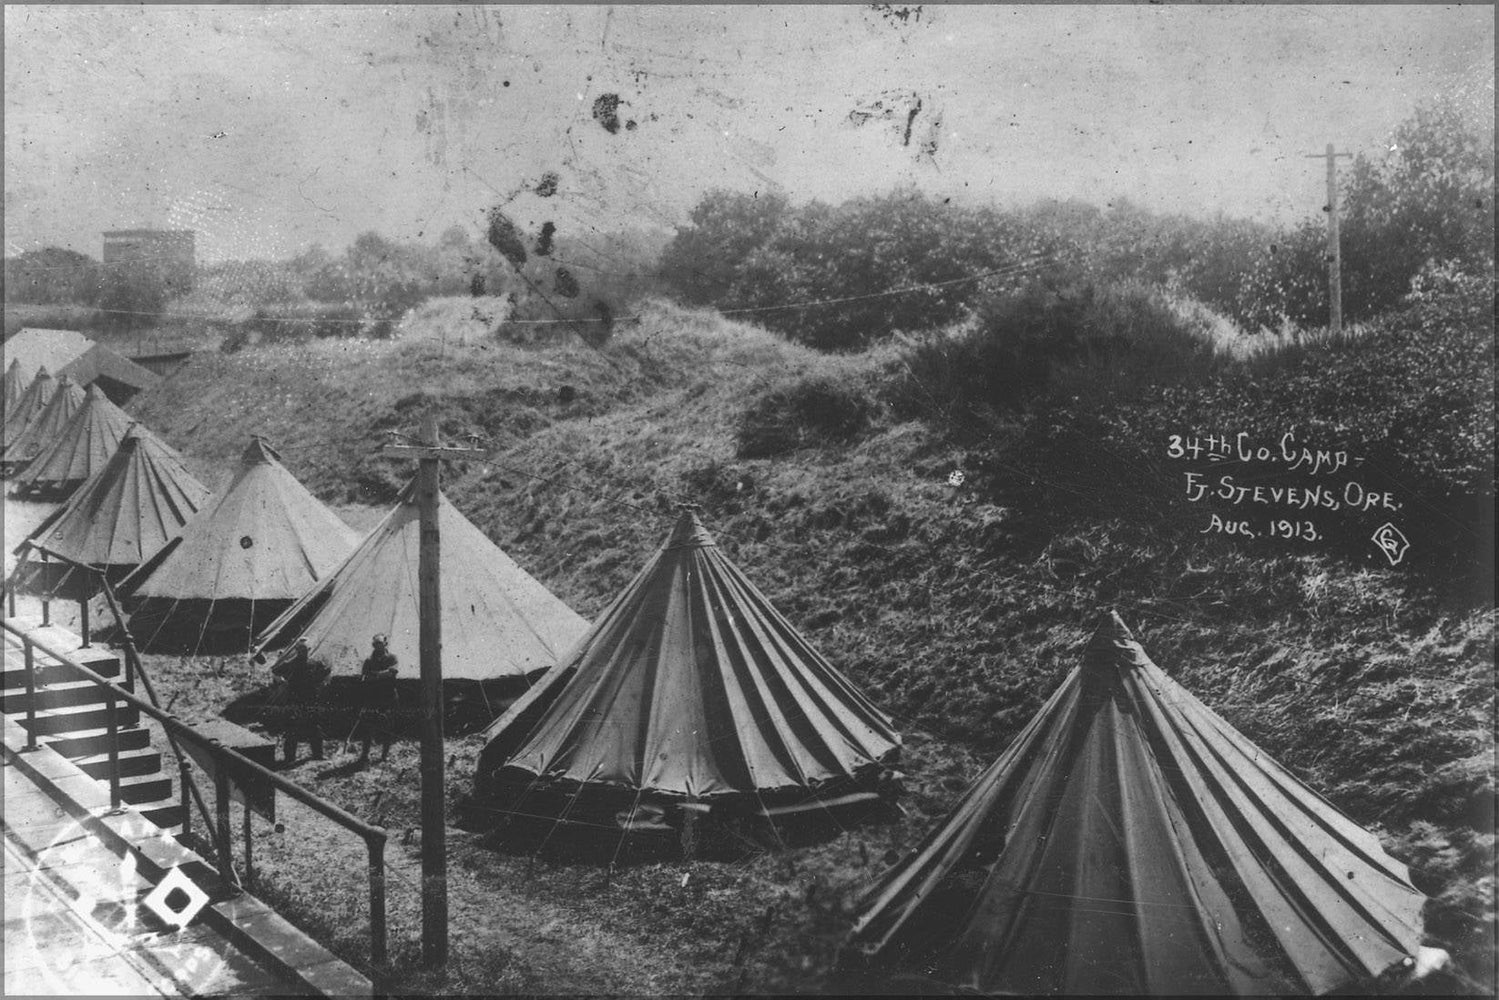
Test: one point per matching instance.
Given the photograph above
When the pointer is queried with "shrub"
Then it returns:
(824, 275)
(1058, 334)
(1412, 398)
(808, 413)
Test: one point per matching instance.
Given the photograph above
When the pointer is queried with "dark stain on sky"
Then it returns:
(606, 112)
(505, 237)
(893, 13)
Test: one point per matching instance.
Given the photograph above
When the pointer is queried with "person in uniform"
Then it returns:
(378, 679)
(303, 678)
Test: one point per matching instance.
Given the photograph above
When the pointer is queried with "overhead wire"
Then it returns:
(1017, 267)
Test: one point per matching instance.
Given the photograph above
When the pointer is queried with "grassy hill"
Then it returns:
(958, 606)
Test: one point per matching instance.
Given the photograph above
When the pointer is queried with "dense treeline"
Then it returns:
(1428, 200)
(362, 291)
(822, 274)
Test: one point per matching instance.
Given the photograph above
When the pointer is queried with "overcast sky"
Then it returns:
(270, 128)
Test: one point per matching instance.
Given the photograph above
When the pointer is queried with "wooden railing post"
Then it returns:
(46, 604)
(221, 810)
(83, 620)
(378, 943)
(249, 860)
(29, 652)
(184, 779)
(112, 712)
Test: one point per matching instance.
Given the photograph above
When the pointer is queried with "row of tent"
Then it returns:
(266, 560)
(1129, 840)
(56, 434)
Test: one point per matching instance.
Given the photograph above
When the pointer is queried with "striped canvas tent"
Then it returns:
(47, 426)
(691, 689)
(30, 406)
(1131, 841)
(79, 450)
(13, 386)
(241, 562)
(118, 519)
(497, 621)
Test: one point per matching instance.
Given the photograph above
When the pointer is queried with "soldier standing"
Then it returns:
(303, 677)
(378, 678)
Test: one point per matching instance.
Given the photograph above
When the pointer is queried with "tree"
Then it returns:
(1430, 198)
(1428, 201)
(701, 263)
(52, 276)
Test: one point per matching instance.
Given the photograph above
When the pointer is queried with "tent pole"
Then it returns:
(430, 453)
(429, 600)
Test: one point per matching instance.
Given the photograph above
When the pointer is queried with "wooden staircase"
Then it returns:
(72, 718)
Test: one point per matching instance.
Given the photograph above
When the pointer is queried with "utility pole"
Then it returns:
(1334, 243)
(430, 454)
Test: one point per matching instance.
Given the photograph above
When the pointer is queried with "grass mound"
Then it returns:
(328, 405)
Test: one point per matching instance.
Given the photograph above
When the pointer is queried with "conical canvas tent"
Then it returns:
(14, 386)
(497, 621)
(691, 689)
(1131, 841)
(81, 449)
(66, 401)
(237, 565)
(118, 519)
(30, 406)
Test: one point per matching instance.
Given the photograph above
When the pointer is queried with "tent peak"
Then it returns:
(1113, 646)
(689, 531)
(258, 452)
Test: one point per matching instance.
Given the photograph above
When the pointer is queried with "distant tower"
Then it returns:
(172, 253)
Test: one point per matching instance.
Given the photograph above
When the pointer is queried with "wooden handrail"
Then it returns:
(226, 758)
(182, 730)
